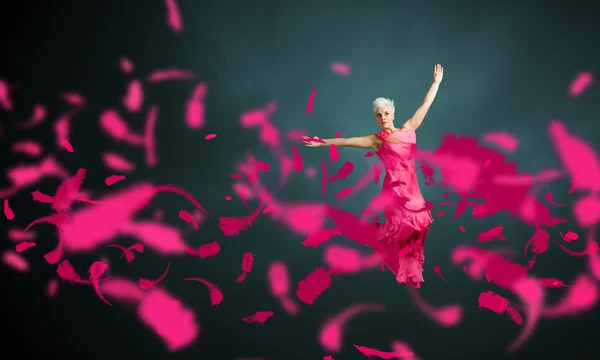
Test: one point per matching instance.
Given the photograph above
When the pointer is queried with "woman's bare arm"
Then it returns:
(415, 121)
(362, 142)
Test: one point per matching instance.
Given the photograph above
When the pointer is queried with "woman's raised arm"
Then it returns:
(415, 121)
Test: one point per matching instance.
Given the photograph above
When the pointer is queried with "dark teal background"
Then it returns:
(508, 65)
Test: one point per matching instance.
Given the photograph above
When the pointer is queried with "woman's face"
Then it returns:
(384, 118)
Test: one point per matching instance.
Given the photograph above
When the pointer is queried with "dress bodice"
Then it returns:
(397, 151)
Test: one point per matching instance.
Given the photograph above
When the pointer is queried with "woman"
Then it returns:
(399, 241)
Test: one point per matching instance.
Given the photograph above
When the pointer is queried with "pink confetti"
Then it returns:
(247, 263)
(319, 237)
(124, 290)
(93, 226)
(128, 252)
(68, 191)
(22, 246)
(111, 180)
(189, 218)
(117, 128)
(97, 269)
(8, 211)
(5, 96)
(343, 193)
(499, 305)
(134, 97)
(175, 324)
(581, 296)
(73, 99)
(481, 178)
(216, 296)
(279, 284)
(232, 226)
(552, 283)
(532, 296)
(19, 235)
(491, 234)
(353, 227)
(279, 280)
(62, 128)
(447, 316)
(515, 316)
(438, 271)
(334, 155)
(297, 160)
(581, 83)
(117, 162)
(504, 140)
(267, 210)
(126, 65)
(66, 145)
(146, 284)
(549, 199)
(331, 334)
(27, 147)
(589, 249)
(382, 354)
(208, 250)
(377, 176)
(340, 68)
(311, 99)
(345, 171)
(313, 285)
(342, 260)
(403, 348)
(174, 16)
(569, 236)
(38, 116)
(258, 317)
(195, 112)
(66, 272)
(149, 136)
(169, 74)
(577, 156)
(15, 261)
(52, 288)
(538, 242)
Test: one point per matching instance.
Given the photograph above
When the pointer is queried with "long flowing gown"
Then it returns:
(401, 238)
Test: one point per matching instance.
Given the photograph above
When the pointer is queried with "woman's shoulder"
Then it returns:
(375, 138)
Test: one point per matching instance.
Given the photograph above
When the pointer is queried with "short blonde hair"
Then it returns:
(381, 101)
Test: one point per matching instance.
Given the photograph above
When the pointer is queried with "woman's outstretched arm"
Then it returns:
(415, 121)
(363, 142)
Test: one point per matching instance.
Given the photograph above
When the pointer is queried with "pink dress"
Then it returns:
(401, 238)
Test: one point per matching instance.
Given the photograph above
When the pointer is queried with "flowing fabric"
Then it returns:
(400, 240)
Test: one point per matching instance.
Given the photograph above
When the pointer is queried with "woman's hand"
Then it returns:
(438, 73)
(312, 141)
